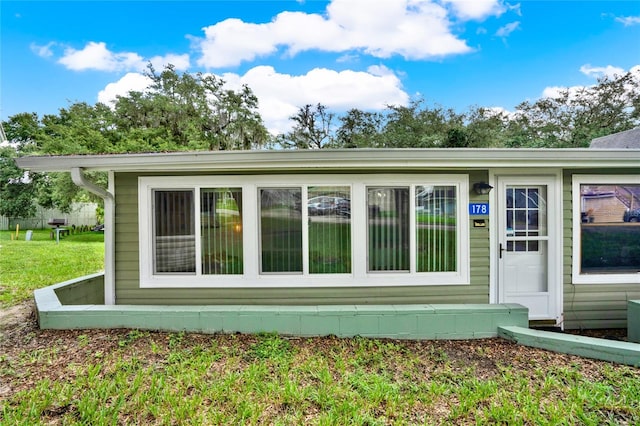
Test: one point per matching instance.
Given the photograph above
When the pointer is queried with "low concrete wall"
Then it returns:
(87, 290)
(391, 321)
(633, 321)
(588, 347)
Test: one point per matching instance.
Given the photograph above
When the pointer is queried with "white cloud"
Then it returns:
(129, 82)
(281, 95)
(476, 9)
(506, 30)
(180, 62)
(96, 56)
(609, 71)
(628, 21)
(414, 29)
(42, 51)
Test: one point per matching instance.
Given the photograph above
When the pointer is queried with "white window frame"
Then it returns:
(577, 277)
(252, 278)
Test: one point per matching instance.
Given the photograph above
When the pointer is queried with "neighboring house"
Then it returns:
(372, 227)
(629, 139)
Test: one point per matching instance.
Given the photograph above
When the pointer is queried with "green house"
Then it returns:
(543, 228)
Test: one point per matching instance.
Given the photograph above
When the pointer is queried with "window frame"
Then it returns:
(253, 278)
(577, 276)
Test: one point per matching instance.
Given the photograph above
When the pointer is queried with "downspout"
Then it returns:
(109, 229)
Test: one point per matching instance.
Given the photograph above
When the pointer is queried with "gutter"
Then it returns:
(109, 229)
(339, 160)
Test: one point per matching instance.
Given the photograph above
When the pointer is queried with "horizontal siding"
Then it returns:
(129, 292)
(588, 305)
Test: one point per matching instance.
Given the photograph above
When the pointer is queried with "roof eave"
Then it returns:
(324, 160)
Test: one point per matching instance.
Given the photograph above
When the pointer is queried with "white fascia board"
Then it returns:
(339, 160)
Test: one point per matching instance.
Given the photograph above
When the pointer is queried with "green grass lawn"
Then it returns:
(28, 265)
(138, 377)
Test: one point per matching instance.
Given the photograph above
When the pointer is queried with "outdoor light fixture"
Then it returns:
(482, 188)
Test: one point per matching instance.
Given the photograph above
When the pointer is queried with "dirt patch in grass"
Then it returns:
(17, 317)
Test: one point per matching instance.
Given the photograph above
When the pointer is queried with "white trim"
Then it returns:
(109, 243)
(359, 277)
(576, 276)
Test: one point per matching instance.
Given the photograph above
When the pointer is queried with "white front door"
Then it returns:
(527, 244)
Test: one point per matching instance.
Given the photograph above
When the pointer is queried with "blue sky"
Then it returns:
(342, 53)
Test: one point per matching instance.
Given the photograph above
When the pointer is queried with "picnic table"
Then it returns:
(58, 230)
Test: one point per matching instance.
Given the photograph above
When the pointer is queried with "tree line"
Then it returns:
(195, 112)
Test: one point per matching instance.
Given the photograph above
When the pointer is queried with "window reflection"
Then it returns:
(610, 228)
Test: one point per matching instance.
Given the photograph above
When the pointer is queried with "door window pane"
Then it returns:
(388, 228)
(435, 228)
(329, 227)
(525, 217)
(174, 242)
(221, 230)
(281, 229)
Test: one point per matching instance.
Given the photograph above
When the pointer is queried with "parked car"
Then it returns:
(631, 215)
(322, 205)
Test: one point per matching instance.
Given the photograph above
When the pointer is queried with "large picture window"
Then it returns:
(606, 229)
(353, 230)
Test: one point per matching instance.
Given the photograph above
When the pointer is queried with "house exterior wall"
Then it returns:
(127, 274)
(591, 305)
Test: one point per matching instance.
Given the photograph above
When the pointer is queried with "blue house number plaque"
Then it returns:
(478, 209)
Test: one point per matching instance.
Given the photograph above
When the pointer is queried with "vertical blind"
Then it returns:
(435, 225)
(221, 231)
(174, 231)
(388, 224)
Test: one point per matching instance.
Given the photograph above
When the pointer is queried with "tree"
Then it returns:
(572, 118)
(17, 191)
(360, 129)
(312, 129)
(24, 130)
(188, 112)
(418, 126)
(486, 127)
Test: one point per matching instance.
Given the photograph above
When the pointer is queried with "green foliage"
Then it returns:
(188, 112)
(312, 129)
(18, 191)
(360, 129)
(571, 119)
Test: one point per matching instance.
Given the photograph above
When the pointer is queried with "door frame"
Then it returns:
(553, 178)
